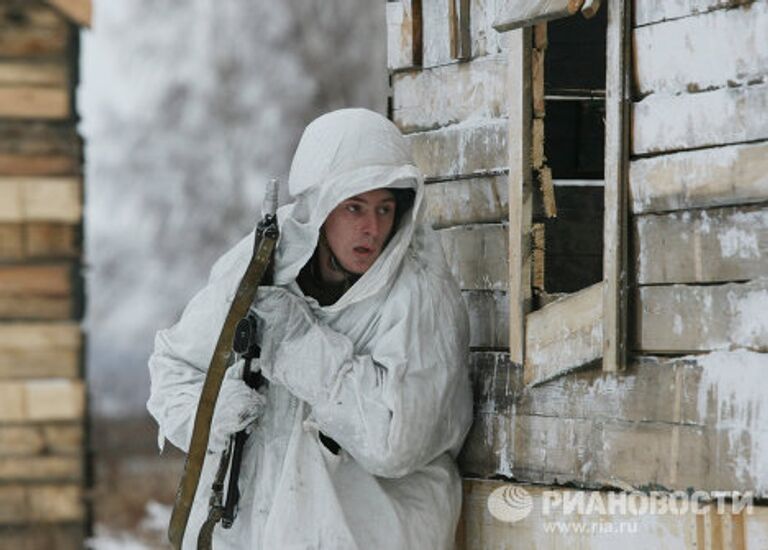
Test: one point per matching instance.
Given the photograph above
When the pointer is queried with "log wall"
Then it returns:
(43, 436)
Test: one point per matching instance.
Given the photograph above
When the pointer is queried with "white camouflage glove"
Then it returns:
(237, 407)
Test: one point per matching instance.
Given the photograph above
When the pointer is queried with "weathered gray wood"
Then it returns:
(520, 188)
(40, 350)
(684, 529)
(703, 246)
(735, 174)
(472, 147)
(682, 318)
(615, 210)
(674, 424)
(448, 94)
(564, 335)
(713, 50)
(663, 123)
(488, 318)
(477, 255)
(523, 13)
(400, 54)
(590, 8)
(647, 12)
(474, 200)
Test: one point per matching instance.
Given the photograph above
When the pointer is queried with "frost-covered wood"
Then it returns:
(687, 318)
(35, 291)
(466, 201)
(51, 502)
(41, 400)
(520, 187)
(523, 13)
(713, 50)
(477, 255)
(674, 424)
(34, 102)
(615, 203)
(663, 122)
(685, 529)
(647, 12)
(444, 95)
(41, 438)
(564, 335)
(488, 318)
(472, 147)
(38, 240)
(400, 35)
(50, 199)
(702, 246)
(730, 175)
(40, 350)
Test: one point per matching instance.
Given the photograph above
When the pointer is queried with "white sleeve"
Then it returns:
(396, 408)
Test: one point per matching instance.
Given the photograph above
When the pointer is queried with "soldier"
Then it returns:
(365, 343)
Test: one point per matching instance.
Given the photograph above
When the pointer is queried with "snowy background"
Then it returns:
(187, 109)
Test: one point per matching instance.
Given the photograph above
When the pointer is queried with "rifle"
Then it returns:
(224, 356)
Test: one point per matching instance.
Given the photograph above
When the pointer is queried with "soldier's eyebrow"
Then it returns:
(364, 201)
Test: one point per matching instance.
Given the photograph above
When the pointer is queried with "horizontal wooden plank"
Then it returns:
(52, 199)
(44, 280)
(466, 201)
(25, 35)
(477, 255)
(39, 165)
(41, 503)
(676, 424)
(34, 137)
(41, 468)
(687, 318)
(77, 11)
(472, 147)
(445, 95)
(654, 11)
(663, 122)
(703, 246)
(710, 177)
(35, 241)
(566, 518)
(714, 50)
(41, 400)
(40, 350)
(37, 536)
(38, 439)
(564, 335)
(488, 318)
(524, 13)
(34, 102)
(33, 74)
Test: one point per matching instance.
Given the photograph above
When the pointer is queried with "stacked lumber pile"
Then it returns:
(42, 391)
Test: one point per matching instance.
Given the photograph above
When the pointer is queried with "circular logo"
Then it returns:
(510, 503)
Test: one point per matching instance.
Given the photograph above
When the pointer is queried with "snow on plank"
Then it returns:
(702, 246)
(440, 96)
(717, 49)
(647, 12)
(663, 123)
(687, 318)
(736, 174)
(467, 201)
(471, 147)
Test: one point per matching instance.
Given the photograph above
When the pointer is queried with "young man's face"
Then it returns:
(358, 228)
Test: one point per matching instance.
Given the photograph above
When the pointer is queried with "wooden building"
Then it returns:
(43, 458)
(598, 175)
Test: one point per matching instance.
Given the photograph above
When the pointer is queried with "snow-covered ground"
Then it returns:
(187, 109)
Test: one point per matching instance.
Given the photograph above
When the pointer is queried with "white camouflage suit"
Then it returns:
(383, 371)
